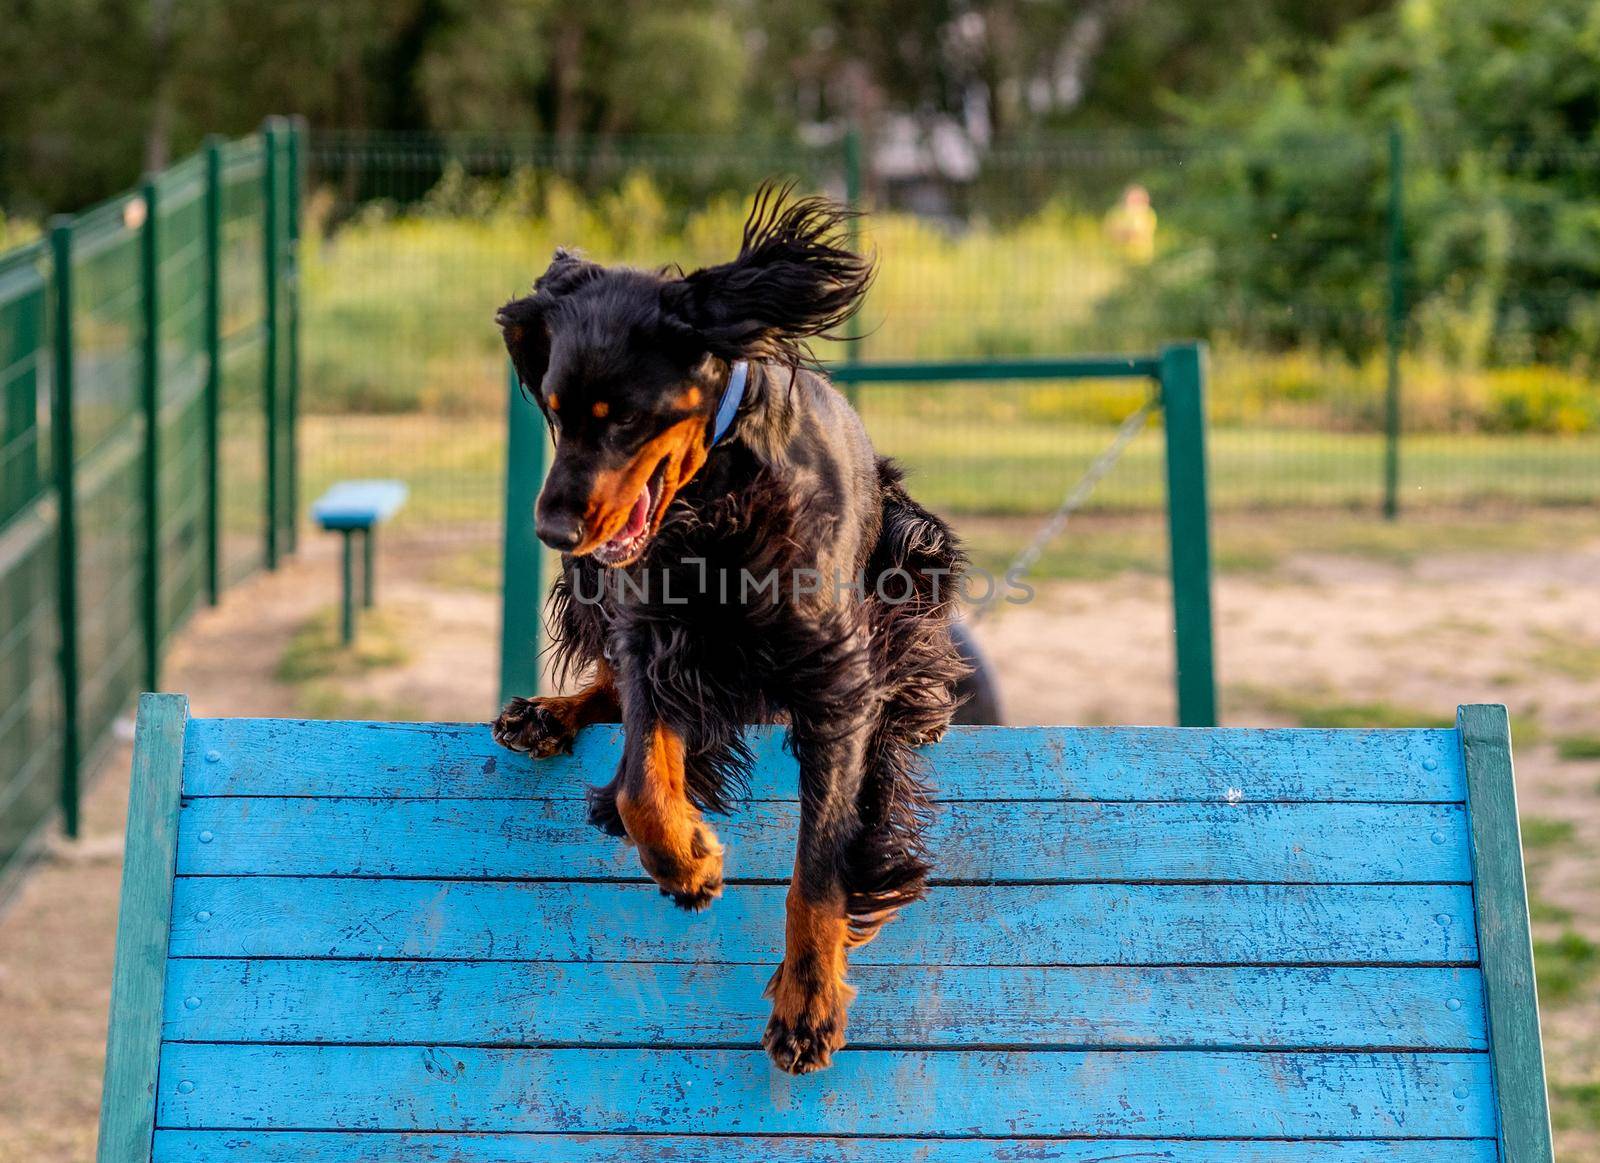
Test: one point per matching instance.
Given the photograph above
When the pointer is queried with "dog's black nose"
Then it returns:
(561, 532)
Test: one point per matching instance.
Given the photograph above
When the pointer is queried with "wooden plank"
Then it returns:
(298, 1146)
(128, 1104)
(978, 925)
(1503, 929)
(430, 760)
(866, 1092)
(989, 841)
(523, 1004)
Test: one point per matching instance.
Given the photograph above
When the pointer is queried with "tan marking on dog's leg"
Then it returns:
(676, 846)
(810, 996)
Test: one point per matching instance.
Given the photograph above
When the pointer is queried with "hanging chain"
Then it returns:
(1075, 499)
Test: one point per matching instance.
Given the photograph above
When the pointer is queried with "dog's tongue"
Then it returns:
(636, 520)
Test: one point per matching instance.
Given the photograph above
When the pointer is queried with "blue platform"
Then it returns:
(358, 504)
(353, 508)
(384, 942)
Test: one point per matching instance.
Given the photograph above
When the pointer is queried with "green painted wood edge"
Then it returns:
(522, 582)
(1085, 367)
(138, 980)
(1189, 531)
(1504, 937)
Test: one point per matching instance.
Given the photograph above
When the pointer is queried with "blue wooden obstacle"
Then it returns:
(348, 508)
(384, 942)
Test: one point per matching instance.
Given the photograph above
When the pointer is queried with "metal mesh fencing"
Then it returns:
(135, 429)
(1351, 366)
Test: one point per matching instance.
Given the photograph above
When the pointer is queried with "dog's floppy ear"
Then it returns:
(522, 321)
(795, 280)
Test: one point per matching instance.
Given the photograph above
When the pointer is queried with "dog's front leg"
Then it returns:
(831, 719)
(547, 725)
(676, 845)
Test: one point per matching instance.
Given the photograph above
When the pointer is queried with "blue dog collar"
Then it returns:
(732, 397)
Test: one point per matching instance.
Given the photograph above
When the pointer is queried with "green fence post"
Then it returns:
(62, 465)
(1189, 530)
(852, 197)
(213, 387)
(150, 291)
(1396, 332)
(271, 253)
(294, 190)
(522, 566)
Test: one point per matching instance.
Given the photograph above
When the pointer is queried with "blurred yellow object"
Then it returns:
(1131, 225)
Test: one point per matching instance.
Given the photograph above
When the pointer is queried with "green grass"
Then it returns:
(1576, 1105)
(315, 651)
(1578, 747)
(1565, 965)
(1311, 710)
(1566, 653)
(1539, 833)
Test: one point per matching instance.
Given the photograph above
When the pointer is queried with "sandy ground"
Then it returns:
(1312, 634)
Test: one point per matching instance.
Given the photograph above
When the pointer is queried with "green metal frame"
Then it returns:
(1179, 373)
(213, 388)
(522, 564)
(138, 978)
(1505, 948)
(1395, 336)
(150, 294)
(272, 251)
(63, 452)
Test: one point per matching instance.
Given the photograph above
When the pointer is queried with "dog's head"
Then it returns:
(629, 366)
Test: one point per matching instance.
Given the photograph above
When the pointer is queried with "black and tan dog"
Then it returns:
(734, 552)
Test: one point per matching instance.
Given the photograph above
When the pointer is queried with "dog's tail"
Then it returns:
(912, 578)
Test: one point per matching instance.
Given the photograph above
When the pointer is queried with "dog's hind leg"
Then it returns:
(832, 709)
(548, 725)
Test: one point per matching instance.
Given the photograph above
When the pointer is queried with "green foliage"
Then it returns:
(1281, 235)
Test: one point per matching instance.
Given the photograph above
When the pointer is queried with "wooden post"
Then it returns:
(1505, 948)
(138, 980)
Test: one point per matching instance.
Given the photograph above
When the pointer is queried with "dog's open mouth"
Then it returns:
(635, 535)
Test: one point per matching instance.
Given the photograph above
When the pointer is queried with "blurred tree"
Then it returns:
(1500, 105)
(90, 88)
(573, 67)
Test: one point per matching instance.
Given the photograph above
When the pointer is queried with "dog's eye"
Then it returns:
(628, 421)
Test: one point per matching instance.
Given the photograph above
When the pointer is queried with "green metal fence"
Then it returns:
(1356, 361)
(147, 371)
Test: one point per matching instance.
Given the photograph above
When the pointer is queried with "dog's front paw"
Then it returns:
(809, 1011)
(692, 878)
(542, 727)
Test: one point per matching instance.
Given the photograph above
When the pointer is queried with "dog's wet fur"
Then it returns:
(629, 367)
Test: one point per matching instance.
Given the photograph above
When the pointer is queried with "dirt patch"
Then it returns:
(1391, 635)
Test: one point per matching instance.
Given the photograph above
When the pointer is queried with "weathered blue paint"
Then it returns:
(1069, 924)
(293, 1147)
(1110, 764)
(865, 1092)
(397, 942)
(709, 1004)
(986, 840)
